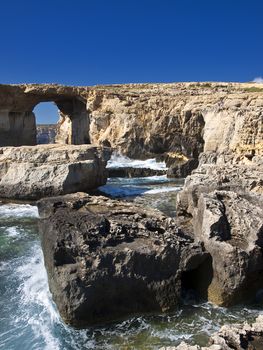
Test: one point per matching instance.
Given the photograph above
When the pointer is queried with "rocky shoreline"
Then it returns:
(223, 207)
(231, 337)
(218, 222)
(108, 259)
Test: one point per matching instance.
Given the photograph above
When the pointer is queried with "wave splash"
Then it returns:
(121, 161)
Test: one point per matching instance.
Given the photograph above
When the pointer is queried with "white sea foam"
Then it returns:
(18, 210)
(172, 334)
(3, 266)
(35, 295)
(39, 311)
(13, 231)
(163, 189)
(120, 161)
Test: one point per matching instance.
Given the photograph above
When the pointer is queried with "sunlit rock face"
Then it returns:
(222, 200)
(224, 204)
(32, 172)
(178, 120)
(17, 120)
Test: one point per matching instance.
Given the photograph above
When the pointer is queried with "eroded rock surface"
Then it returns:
(32, 172)
(107, 259)
(223, 207)
(141, 120)
(17, 119)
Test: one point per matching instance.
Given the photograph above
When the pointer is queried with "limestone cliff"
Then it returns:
(107, 259)
(223, 199)
(183, 118)
(178, 119)
(17, 119)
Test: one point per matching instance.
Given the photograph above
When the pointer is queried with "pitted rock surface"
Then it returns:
(180, 120)
(222, 204)
(107, 259)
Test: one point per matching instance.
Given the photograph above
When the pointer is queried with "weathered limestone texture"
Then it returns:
(221, 203)
(17, 120)
(178, 120)
(185, 118)
(107, 259)
(224, 205)
(32, 172)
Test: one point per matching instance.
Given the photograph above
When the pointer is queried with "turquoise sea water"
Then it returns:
(29, 319)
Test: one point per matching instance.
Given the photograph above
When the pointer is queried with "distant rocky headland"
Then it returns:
(46, 133)
(106, 258)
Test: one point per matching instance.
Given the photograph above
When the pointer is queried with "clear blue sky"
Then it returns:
(84, 42)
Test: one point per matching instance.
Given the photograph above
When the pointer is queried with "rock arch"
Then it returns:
(17, 119)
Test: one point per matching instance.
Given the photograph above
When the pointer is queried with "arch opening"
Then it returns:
(195, 282)
(47, 119)
(62, 121)
(18, 122)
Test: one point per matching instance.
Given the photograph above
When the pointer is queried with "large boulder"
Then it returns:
(32, 172)
(107, 259)
(222, 205)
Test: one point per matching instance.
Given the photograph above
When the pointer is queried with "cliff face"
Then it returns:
(141, 120)
(222, 201)
(17, 119)
(184, 118)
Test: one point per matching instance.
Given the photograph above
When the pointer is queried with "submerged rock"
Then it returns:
(231, 337)
(32, 172)
(107, 259)
(135, 172)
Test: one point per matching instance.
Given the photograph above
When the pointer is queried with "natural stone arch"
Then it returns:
(73, 126)
(18, 122)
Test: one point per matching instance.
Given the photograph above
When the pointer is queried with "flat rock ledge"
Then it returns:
(108, 259)
(231, 337)
(33, 172)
